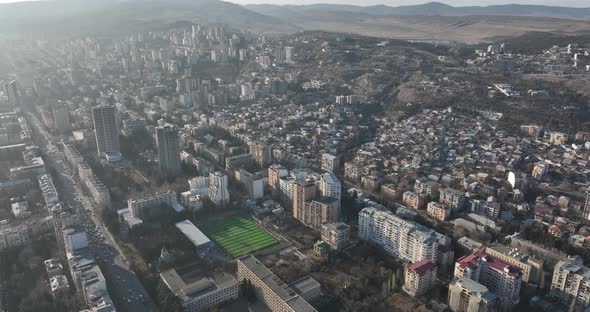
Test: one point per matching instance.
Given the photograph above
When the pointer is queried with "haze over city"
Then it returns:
(205, 155)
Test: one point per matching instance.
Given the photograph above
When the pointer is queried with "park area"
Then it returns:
(238, 236)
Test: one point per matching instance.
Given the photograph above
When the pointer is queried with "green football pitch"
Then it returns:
(238, 236)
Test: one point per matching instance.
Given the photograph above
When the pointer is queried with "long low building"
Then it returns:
(199, 294)
(194, 235)
(269, 288)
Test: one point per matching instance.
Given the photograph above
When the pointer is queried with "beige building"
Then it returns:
(151, 206)
(413, 200)
(438, 211)
(320, 211)
(532, 268)
(329, 162)
(337, 235)
(303, 191)
(275, 172)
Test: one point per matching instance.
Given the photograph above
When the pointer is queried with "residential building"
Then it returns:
(107, 133)
(352, 171)
(426, 188)
(330, 186)
(571, 283)
(271, 290)
(420, 277)
(12, 93)
(330, 162)
(303, 191)
(532, 268)
(438, 211)
(466, 295)
(401, 238)
(337, 235)
(61, 117)
(320, 211)
(168, 150)
(413, 200)
(218, 192)
(452, 198)
(261, 152)
(275, 172)
(200, 294)
(151, 207)
(500, 277)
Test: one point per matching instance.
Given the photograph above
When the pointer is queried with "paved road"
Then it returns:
(124, 286)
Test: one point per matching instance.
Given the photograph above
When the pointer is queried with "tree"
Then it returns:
(167, 301)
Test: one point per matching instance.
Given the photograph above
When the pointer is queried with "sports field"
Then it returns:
(238, 236)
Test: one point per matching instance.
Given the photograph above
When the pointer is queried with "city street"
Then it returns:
(125, 288)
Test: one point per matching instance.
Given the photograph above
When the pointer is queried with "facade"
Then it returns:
(438, 211)
(500, 277)
(413, 200)
(452, 198)
(320, 211)
(202, 294)
(168, 150)
(401, 238)
(352, 172)
(218, 192)
(330, 186)
(337, 235)
(466, 295)
(261, 152)
(303, 191)
(61, 117)
(150, 207)
(275, 172)
(107, 133)
(532, 268)
(329, 162)
(420, 277)
(571, 283)
(270, 290)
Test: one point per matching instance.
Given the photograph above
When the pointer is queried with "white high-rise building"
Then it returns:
(107, 133)
(218, 192)
(401, 238)
(168, 150)
(289, 53)
(330, 186)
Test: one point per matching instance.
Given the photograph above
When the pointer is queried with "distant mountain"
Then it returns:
(431, 9)
(112, 16)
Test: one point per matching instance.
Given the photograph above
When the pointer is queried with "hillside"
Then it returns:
(111, 16)
(433, 23)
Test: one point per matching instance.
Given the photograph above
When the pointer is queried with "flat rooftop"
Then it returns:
(193, 233)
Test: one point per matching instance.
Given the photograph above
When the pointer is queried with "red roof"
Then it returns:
(472, 261)
(422, 267)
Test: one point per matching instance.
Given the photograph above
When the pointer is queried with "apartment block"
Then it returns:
(467, 295)
(452, 198)
(571, 283)
(398, 237)
(337, 235)
(420, 277)
(438, 211)
(500, 277)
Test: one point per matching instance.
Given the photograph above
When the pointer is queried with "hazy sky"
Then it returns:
(572, 3)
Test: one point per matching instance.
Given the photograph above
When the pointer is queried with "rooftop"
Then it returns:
(193, 233)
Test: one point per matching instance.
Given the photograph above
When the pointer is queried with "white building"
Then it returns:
(218, 192)
(401, 238)
(330, 186)
(420, 277)
(466, 295)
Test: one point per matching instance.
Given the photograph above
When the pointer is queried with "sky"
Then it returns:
(570, 3)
